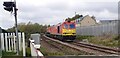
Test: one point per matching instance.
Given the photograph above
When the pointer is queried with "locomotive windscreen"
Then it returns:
(65, 26)
(72, 26)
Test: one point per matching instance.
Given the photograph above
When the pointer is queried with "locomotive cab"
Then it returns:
(69, 30)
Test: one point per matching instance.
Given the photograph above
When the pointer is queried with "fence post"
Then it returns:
(14, 42)
(2, 41)
(23, 38)
(6, 42)
(9, 42)
(19, 36)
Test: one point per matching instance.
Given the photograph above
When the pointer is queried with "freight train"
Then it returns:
(65, 31)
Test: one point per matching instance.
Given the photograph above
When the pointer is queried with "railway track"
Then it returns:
(97, 50)
(48, 41)
(62, 48)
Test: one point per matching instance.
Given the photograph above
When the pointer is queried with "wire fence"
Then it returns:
(98, 30)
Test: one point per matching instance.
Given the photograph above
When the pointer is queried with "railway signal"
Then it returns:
(10, 6)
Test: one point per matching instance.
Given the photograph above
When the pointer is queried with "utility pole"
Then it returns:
(10, 6)
(16, 28)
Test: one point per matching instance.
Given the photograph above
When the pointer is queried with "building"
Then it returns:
(86, 21)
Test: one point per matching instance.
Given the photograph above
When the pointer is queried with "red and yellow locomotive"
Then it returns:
(65, 31)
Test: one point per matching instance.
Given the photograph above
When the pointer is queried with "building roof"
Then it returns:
(89, 16)
(82, 18)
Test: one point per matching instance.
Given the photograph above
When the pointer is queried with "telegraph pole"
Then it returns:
(16, 28)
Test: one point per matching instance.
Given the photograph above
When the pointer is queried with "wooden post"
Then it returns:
(23, 38)
(2, 41)
(19, 36)
(14, 42)
(6, 42)
(9, 42)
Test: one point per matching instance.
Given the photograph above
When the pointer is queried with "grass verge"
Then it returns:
(4, 53)
(110, 41)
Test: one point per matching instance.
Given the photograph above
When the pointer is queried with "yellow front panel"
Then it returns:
(68, 31)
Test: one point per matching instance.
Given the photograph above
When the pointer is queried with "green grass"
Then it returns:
(108, 40)
(4, 53)
(28, 52)
(78, 37)
(8, 53)
(105, 42)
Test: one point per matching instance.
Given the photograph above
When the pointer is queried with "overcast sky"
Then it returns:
(55, 11)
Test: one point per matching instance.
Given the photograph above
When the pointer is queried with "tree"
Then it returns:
(48, 25)
(29, 28)
(93, 17)
(74, 18)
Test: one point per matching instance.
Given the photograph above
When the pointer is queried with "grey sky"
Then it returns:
(55, 11)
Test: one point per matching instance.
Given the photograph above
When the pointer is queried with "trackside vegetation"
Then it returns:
(107, 40)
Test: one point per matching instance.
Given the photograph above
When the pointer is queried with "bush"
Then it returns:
(117, 37)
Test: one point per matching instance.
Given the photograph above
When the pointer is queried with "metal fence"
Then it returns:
(98, 30)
